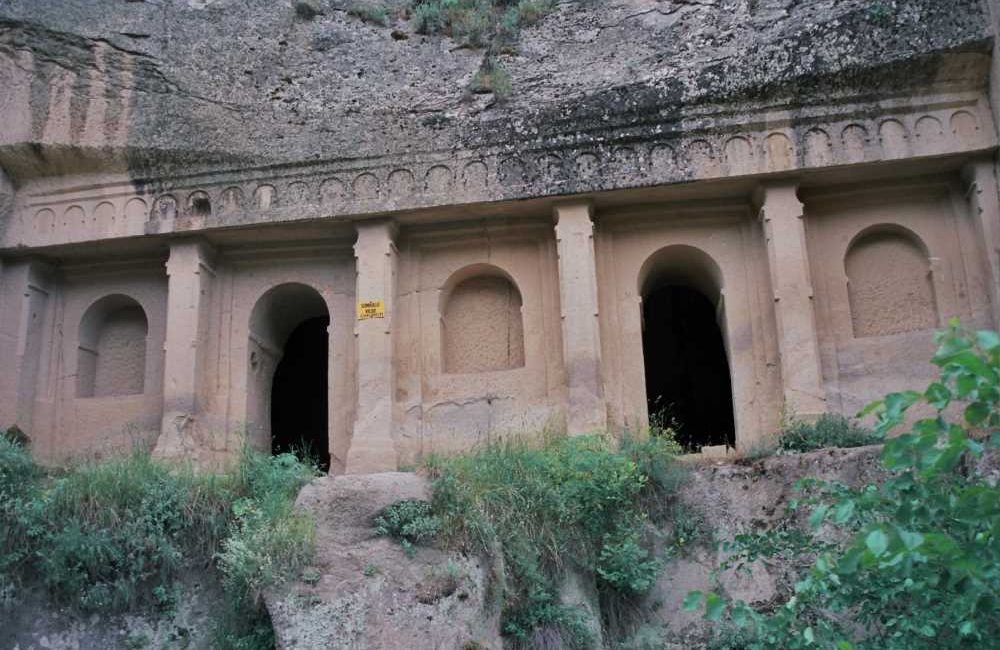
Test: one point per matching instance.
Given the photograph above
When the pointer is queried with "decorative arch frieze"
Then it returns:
(616, 159)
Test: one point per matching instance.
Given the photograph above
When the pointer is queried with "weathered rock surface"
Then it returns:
(183, 82)
(29, 620)
(370, 594)
(737, 498)
(416, 603)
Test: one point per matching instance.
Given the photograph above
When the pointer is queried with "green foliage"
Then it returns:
(577, 500)
(479, 23)
(491, 24)
(728, 637)
(918, 568)
(411, 521)
(16, 436)
(624, 565)
(369, 13)
(468, 21)
(137, 641)
(19, 478)
(104, 536)
(114, 535)
(880, 12)
(267, 544)
(492, 77)
(644, 638)
(689, 528)
(830, 430)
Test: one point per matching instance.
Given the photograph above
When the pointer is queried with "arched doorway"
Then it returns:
(288, 388)
(688, 382)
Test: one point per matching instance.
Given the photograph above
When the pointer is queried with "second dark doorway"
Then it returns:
(688, 384)
(299, 409)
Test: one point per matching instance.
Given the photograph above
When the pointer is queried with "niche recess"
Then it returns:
(111, 356)
(889, 283)
(481, 322)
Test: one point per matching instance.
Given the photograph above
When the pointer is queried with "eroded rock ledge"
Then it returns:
(371, 595)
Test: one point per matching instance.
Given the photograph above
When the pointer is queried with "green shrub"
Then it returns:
(491, 24)
(920, 562)
(624, 565)
(881, 12)
(644, 638)
(19, 478)
(267, 545)
(728, 637)
(16, 436)
(374, 14)
(107, 534)
(410, 522)
(479, 23)
(830, 430)
(540, 505)
(491, 77)
(689, 528)
(113, 535)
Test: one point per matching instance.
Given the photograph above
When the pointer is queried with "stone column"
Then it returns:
(798, 343)
(190, 275)
(24, 295)
(372, 446)
(984, 204)
(586, 409)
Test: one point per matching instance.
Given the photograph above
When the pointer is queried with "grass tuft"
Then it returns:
(368, 13)
(546, 505)
(491, 77)
(113, 536)
(830, 430)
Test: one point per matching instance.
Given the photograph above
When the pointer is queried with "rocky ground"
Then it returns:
(369, 594)
(365, 592)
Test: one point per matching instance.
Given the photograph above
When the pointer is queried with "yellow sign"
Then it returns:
(371, 309)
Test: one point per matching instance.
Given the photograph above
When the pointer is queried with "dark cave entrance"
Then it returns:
(688, 384)
(299, 394)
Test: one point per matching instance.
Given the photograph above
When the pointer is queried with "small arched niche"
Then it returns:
(482, 327)
(688, 382)
(111, 351)
(288, 378)
(889, 283)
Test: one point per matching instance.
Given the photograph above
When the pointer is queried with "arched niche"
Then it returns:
(687, 374)
(889, 282)
(287, 357)
(482, 325)
(111, 348)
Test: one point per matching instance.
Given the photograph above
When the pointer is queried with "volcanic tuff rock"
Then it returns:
(202, 82)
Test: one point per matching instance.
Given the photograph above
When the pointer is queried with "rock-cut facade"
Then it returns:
(219, 219)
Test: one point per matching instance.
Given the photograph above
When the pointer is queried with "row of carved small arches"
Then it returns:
(699, 154)
(365, 186)
(739, 152)
(104, 212)
(895, 137)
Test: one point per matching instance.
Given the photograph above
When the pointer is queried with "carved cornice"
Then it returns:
(689, 149)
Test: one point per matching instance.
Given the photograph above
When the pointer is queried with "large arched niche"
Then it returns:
(889, 282)
(482, 325)
(111, 348)
(288, 372)
(687, 375)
